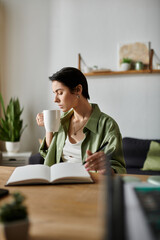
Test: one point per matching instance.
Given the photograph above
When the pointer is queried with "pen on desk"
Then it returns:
(99, 149)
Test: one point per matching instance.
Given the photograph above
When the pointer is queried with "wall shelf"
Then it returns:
(103, 73)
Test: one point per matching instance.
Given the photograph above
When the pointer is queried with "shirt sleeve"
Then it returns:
(43, 149)
(115, 149)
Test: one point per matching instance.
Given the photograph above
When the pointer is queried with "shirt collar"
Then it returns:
(92, 123)
(66, 116)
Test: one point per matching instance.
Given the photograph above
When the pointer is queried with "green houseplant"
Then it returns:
(126, 64)
(11, 124)
(14, 217)
(126, 60)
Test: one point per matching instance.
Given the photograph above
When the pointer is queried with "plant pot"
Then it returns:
(18, 230)
(125, 66)
(12, 147)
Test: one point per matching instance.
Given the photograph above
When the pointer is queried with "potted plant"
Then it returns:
(14, 217)
(126, 64)
(11, 125)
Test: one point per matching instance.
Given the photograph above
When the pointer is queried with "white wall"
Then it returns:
(94, 28)
(43, 36)
(25, 62)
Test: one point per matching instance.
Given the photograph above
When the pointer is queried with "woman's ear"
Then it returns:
(78, 89)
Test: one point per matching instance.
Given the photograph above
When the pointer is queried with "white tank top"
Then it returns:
(72, 152)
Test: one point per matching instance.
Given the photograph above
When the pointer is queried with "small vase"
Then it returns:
(17, 230)
(12, 147)
(138, 66)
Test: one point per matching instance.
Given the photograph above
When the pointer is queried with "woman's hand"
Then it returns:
(49, 135)
(96, 162)
(40, 120)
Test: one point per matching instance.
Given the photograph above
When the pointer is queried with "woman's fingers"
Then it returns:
(96, 161)
(89, 153)
(39, 119)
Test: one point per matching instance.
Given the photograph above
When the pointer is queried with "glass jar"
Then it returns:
(158, 66)
(138, 65)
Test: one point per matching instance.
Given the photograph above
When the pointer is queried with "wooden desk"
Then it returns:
(60, 212)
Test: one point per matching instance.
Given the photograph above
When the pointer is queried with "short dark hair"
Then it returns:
(71, 77)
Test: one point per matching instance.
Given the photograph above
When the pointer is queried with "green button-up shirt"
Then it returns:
(99, 129)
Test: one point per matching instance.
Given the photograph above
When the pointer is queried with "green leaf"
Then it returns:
(11, 126)
(14, 210)
(2, 103)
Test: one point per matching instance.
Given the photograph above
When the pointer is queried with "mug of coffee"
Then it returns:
(51, 120)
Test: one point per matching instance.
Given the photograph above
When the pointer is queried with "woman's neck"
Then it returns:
(82, 111)
(80, 117)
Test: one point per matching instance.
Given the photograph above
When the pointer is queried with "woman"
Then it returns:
(84, 128)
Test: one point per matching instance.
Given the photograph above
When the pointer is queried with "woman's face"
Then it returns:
(63, 97)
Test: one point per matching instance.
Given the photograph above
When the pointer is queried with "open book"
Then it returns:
(42, 174)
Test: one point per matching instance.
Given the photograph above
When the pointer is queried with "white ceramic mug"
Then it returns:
(51, 120)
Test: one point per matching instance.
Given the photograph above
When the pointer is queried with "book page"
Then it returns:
(69, 172)
(30, 174)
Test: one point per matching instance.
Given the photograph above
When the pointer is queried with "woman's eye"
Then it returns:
(60, 93)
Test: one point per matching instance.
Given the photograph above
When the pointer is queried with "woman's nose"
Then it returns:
(55, 99)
